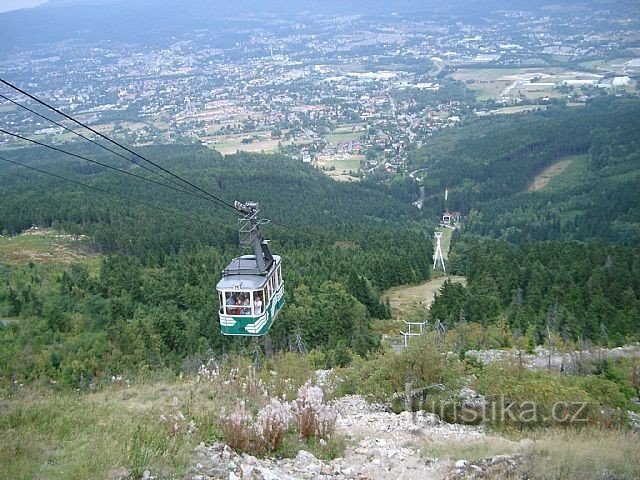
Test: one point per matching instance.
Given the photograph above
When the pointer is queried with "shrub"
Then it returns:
(606, 392)
(419, 366)
(267, 432)
(522, 398)
(285, 373)
(273, 423)
(237, 428)
(313, 418)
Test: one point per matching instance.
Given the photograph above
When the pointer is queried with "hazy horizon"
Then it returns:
(10, 5)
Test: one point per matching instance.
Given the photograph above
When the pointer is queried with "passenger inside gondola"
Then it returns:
(257, 303)
(246, 304)
(231, 301)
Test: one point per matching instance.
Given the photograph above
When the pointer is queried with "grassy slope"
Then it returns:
(136, 425)
(76, 436)
(586, 454)
(44, 246)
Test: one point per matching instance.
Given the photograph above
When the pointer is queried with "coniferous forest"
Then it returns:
(150, 301)
(563, 258)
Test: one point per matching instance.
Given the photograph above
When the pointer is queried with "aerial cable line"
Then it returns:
(42, 102)
(135, 200)
(128, 159)
(306, 232)
(188, 192)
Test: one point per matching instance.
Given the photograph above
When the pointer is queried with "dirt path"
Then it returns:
(406, 300)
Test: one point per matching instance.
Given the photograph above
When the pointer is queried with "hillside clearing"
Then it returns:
(410, 300)
(44, 246)
(544, 177)
(416, 299)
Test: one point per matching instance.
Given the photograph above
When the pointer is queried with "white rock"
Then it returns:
(266, 474)
(460, 464)
(376, 453)
(249, 459)
(246, 470)
(305, 458)
(326, 469)
(313, 468)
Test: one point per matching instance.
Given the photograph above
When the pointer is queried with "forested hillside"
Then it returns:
(575, 291)
(488, 164)
(151, 301)
(558, 260)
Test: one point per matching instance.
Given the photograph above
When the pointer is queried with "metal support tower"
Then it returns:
(412, 333)
(438, 254)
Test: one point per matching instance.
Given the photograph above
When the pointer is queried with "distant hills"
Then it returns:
(158, 21)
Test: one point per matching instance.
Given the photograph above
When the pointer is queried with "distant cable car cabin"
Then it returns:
(251, 291)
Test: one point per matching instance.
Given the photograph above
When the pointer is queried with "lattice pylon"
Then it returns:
(438, 253)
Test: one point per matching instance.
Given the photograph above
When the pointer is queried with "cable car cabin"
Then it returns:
(249, 300)
(251, 291)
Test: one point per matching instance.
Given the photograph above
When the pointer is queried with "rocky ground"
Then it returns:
(543, 358)
(380, 446)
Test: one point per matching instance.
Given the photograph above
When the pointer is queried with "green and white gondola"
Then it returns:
(251, 291)
(249, 301)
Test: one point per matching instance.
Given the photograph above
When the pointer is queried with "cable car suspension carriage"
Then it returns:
(251, 291)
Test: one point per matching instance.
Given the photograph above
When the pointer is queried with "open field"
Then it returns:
(134, 126)
(517, 109)
(412, 302)
(341, 163)
(486, 90)
(445, 241)
(415, 300)
(233, 143)
(338, 166)
(44, 246)
(530, 83)
(571, 174)
(619, 66)
(338, 137)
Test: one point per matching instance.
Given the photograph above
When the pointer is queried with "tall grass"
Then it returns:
(589, 454)
(152, 424)
(70, 435)
(586, 454)
(470, 450)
